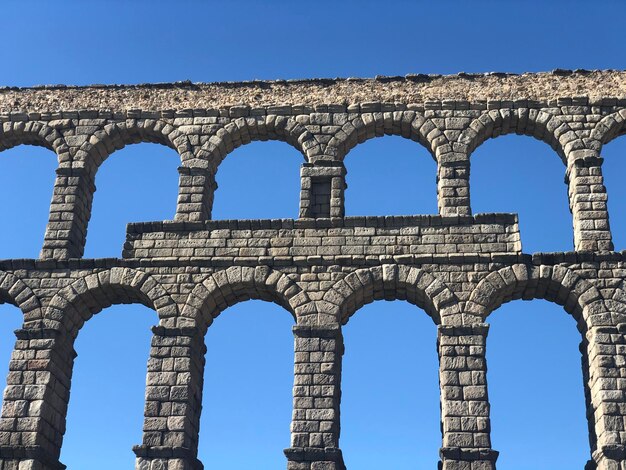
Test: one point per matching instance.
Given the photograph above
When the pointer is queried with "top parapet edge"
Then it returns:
(411, 77)
(412, 88)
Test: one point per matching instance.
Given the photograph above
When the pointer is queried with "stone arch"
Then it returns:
(226, 288)
(115, 136)
(609, 128)
(391, 282)
(535, 123)
(14, 133)
(242, 131)
(76, 303)
(557, 284)
(15, 292)
(408, 124)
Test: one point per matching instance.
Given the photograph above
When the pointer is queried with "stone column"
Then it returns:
(453, 173)
(322, 190)
(173, 401)
(605, 354)
(316, 398)
(196, 191)
(35, 401)
(464, 399)
(588, 202)
(70, 212)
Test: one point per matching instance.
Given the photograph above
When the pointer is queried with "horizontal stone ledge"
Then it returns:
(536, 259)
(37, 333)
(468, 454)
(36, 453)
(315, 171)
(395, 221)
(577, 257)
(190, 331)
(72, 263)
(314, 454)
(72, 171)
(108, 263)
(463, 330)
(166, 452)
(339, 260)
(305, 331)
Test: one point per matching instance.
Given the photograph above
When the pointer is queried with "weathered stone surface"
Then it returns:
(322, 267)
(282, 95)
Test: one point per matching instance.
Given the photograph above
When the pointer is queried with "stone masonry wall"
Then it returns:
(323, 239)
(322, 267)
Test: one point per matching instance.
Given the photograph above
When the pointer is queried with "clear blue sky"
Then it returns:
(391, 422)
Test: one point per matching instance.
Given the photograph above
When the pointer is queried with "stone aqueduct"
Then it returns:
(321, 267)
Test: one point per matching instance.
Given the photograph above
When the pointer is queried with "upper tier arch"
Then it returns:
(242, 131)
(608, 128)
(539, 124)
(408, 124)
(14, 133)
(116, 135)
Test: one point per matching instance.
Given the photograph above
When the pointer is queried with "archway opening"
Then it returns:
(520, 174)
(536, 388)
(248, 381)
(106, 410)
(390, 175)
(390, 412)
(11, 320)
(260, 180)
(613, 170)
(135, 184)
(26, 183)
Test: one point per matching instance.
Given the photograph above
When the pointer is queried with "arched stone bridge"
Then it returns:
(321, 267)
